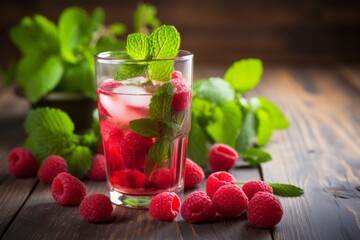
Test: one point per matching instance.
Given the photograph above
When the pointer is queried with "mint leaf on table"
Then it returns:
(286, 190)
(36, 82)
(244, 74)
(255, 156)
(79, 161)
(214, 90)
(198, 146)
(248, 132)
(264, 128)
(277, 118)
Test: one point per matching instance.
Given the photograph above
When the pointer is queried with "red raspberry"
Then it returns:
(164, 178)
(218, 179)
(98, 168)
(194, 174)
(134, 149)
(176, 74)
(67, 190)
(52, 166)
(129, 178)
(165, 206)
(264, 210)
(197, 207)
(112, 137)
(254, 186)
(230, 200)
(96, 208)
(21, 162)
(182, 96)
(222, 157)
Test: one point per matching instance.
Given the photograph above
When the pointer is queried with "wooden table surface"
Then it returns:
(320, 153)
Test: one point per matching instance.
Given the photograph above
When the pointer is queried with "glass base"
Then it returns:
(137, 202)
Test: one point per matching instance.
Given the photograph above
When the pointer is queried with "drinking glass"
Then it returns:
(144, 110)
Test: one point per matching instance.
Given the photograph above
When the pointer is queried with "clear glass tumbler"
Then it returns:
(144, 110)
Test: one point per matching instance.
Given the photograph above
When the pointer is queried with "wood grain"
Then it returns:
(319, 153)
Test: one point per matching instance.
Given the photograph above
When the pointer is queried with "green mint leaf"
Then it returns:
(158, 155)
(209, 90)
(38, 75)
(74, 32)
(97, 18)
(118, 29)
(137, 202)
(264, 127)
(198, 148)
(244, 74)
(277, 118)
(138, 46)
(286, 190)
(165, 41)
(255, 156)
(147, 127)
(130, 70)
(144, 17)
(35, 35)
(248, 132)
(161, 70)
(226, 124)
(79, 161)
(160, 104)
(90, 140)
(50, 131)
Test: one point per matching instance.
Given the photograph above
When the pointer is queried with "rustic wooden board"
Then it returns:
(42, 218)
(320, 152)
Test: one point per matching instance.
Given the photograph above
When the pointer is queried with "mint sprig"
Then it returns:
(51, 131)
(162, 43)
(283, 190)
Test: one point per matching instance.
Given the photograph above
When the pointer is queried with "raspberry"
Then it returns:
(254, 186)
(264, 210)
(67, 190)
(134, 149)
(165, 206)
(222, 157)
(230, 200)
(197, 207)
(218, 179)
(194, 174)
(96, 208)
(52, 166)
(98, 168)
(112, 137)
(129, 178)
(21, 162)
(182, 96)
(176, 74)
(164, 178)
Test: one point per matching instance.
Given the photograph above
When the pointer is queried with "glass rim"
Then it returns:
(109, 56)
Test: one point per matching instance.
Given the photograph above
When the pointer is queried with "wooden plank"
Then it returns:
(42, 218)
(319, 153)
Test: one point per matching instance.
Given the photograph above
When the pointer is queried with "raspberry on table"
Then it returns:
(134, 149)
(194, 174)
(198, 207)
(218, 179)
(68, 190)
(264, 210)
(230, 200)
(182, 96)
(222, 157)
(165, 206)
(51, 167)
(97, 171)
(254, 186)
(21, 162)
(96, 208)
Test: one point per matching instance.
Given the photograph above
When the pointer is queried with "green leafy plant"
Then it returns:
(51, 131)
(59, 56)
(222, 114)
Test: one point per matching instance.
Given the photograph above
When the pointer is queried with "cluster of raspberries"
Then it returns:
(223, 197)
(66, 189)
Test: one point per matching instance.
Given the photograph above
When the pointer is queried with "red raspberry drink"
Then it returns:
(144, 126)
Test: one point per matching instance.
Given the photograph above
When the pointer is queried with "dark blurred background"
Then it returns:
(222, 31)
